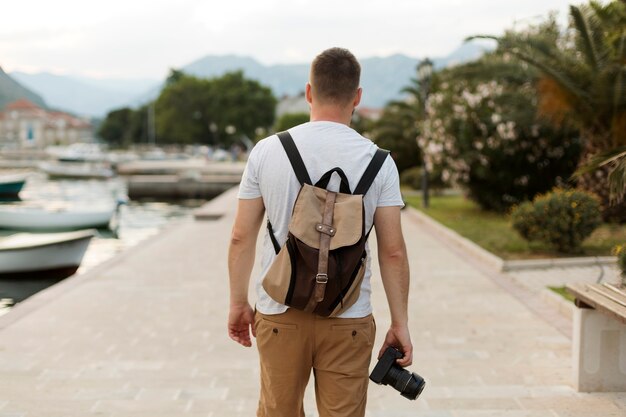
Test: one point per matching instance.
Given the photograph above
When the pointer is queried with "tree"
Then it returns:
(215, 111)
(397, 130)
(124, 127)
(289, 120)
(182, 112)
(582, 82)
(482, 130)
(115, 128)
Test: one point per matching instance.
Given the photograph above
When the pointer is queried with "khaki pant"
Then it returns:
(338, 351)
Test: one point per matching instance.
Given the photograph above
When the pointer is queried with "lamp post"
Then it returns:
(151, 125)
(424, 74)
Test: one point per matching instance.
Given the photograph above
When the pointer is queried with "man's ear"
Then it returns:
(307, 93)
(357, 98)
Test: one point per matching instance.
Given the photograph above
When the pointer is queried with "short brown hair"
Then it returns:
(335, 76)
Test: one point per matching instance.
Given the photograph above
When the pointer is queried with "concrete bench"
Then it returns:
(599, 341)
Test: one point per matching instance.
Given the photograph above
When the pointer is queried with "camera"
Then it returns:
(387, 372)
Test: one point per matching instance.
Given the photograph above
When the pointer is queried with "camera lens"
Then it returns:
(410, 385)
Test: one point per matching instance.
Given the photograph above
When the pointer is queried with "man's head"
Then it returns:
(334, 79)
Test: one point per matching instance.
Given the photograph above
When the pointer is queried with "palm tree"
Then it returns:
(615, 162)
(583, 83)
(399, 126)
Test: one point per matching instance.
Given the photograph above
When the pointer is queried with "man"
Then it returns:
(291, 342)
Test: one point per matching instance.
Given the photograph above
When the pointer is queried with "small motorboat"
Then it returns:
(76, 171)
(17, 217)
(78, 152)
(49, 255)
(11, 185)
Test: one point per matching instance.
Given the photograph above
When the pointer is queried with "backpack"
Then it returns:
(320, 267)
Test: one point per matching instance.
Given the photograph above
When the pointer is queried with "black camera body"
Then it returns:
(387, 372)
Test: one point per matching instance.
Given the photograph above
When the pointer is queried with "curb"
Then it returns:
(456, 239)
(215, 208)
(520, 265)
(498, 263)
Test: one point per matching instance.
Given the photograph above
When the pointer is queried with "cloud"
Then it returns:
(144, 38)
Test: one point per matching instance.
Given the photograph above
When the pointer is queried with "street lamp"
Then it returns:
(424, 75)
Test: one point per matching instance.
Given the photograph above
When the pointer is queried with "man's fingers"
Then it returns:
(241, 336)
(404, 362)
(407, 359)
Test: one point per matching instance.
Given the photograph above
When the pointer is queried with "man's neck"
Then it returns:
(332, 115)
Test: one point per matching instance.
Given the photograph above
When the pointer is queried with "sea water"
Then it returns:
(134, 222)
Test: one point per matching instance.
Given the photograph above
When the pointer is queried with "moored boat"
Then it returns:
(44, 219)
(49, 255)
(76, 171)
(11, 185)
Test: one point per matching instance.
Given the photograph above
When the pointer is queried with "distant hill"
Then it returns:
(382, 80)
(11, 90)
(82, 95)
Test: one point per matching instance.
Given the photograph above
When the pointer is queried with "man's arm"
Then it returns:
(240, 262)
(394, 268)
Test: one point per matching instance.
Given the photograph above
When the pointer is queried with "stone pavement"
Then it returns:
(144, 335)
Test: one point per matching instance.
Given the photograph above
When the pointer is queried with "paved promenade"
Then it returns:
(145, 335)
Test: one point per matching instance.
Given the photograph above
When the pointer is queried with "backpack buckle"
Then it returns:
(321, 278)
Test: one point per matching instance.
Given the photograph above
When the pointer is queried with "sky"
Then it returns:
(145, 38)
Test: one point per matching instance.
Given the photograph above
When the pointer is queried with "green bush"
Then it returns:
(289, 120)
(562, 219)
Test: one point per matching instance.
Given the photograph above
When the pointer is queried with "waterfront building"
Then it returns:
(23, 124)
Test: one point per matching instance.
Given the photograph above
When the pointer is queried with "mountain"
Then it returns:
(382, 78)
(468, 51)
(11, 90)
(83, 95)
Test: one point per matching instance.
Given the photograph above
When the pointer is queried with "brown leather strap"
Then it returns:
(326, 230)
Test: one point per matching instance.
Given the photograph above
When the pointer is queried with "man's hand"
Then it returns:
(240, 320)
(399, 338)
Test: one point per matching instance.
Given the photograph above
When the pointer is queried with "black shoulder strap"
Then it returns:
(371, 171)
(275, 243)
(294, 157)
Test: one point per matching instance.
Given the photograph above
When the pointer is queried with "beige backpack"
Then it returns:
(319, 269)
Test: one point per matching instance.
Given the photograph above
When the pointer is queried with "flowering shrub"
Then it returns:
(620, 252)
(485, 135)
(561, 218)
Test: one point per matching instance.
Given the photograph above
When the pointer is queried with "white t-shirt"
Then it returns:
(323, 145)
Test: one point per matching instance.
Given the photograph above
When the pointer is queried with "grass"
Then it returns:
(493, 231)
(563, 293)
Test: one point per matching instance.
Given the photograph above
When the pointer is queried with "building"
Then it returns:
(291, 105)
(24, 124)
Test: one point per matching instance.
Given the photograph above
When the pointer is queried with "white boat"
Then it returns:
(78, 152)
(76, 171)
(50, 255)
(45, 219)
